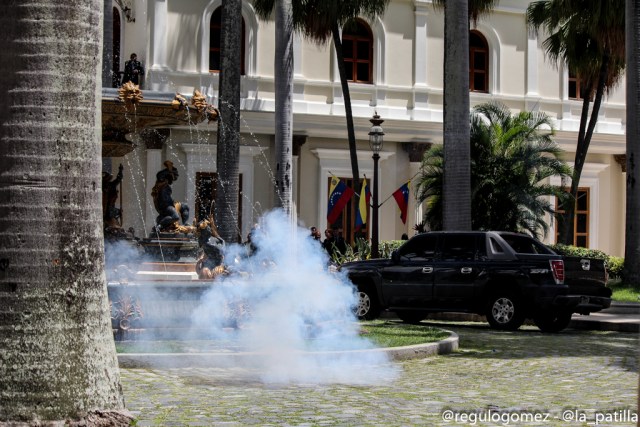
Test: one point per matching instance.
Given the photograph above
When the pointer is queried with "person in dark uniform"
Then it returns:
(133, 70)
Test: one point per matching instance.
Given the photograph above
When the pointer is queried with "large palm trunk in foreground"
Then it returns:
(632, 225)
(58, 359)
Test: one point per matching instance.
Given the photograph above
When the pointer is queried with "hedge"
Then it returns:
(613, 264)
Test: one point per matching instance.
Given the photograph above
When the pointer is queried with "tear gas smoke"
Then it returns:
(282, 302)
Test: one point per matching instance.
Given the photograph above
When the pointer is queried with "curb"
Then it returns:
(623, 308)
(597, 325)
(609, 321)
(210, 360)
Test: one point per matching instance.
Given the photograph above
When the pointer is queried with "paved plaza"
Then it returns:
(515, 378)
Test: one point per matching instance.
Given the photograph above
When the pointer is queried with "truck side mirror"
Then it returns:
(395, 256)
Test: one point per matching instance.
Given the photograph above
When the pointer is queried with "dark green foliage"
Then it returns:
(613, 264)
(512, 159)
(362, 250)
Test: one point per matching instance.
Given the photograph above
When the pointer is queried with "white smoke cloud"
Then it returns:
(284, 304)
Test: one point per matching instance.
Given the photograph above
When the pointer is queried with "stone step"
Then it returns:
(168, 266)
(166, 275)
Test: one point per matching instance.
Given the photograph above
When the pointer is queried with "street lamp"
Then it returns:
(375, 142)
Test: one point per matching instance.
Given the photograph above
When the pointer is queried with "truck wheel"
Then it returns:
(552, 322)
(505, 312)
(368, 307)
(411, 316)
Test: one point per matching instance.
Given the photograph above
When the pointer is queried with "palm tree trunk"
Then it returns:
(457, 155)
(582, 147)
(58, 356)
(337, 43)
(228, 149)
(107, 51)
(631, 272)
(283, 69)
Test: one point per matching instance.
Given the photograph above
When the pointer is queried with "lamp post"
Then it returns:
(375, 142)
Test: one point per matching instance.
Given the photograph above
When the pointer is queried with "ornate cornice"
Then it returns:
(622, 161)
(297, 142)
(415, 150)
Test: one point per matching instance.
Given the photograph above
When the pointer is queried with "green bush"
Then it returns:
(613, 264)
(389, 246)
(579, 252)
(361, 250)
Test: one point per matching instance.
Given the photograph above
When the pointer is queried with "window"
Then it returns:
(346, 220)
(421, 247)
(215, 39)
(206, 183)
(576, 86)
(357, 50)
(478, 63)
(581, 221)
(460, 247)
(525, 245)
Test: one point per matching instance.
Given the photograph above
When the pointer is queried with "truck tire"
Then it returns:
(368, 307)
(411, 316)
(505, 312)
(552, 321)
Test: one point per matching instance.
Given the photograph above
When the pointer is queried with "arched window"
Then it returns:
(116, 48)
(478, 63)
(357, 50)
(215, 39)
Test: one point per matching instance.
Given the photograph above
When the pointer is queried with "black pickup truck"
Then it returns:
(508, 277)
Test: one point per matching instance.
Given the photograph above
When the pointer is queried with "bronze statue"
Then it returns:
(111, 215)
(172, 215)
(210, 263)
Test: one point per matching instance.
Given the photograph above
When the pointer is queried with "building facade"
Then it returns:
(396, 66)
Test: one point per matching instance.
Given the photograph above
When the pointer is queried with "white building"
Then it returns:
(399, 75)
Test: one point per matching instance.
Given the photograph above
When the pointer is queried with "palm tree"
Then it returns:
(283, 72)
(631, 273)
(512, 159)
(457, 186)
(228, 149)
(284, 109)
(58, 356)
(320, 21)
(587, 36)
(107, 48)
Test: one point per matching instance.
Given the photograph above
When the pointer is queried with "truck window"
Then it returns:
(525, 244)
(460, 247)
(495, 246)
(422, 247)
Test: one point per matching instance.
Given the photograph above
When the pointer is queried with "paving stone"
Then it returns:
(498, 371)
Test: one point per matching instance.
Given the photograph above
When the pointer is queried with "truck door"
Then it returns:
(409, 280)
(457, 269)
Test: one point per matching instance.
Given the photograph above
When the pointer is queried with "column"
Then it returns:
(157, 60)
(420, 96)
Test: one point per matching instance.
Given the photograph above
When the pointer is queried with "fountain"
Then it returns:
(272, 300)
(151, 276)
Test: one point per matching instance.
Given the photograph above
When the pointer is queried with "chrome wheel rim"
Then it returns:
(503, 310)
(364, 304)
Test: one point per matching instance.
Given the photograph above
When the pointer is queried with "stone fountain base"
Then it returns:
(154, 309)
(163, 247)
